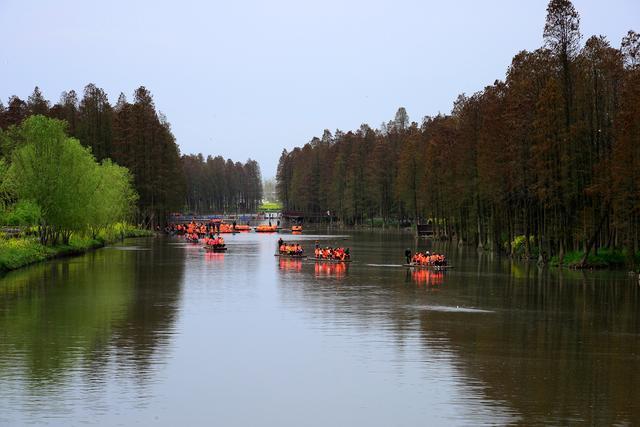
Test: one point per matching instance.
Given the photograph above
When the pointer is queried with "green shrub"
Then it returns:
(15, 253)
(518, 246)
(23, 213)
(605, 258)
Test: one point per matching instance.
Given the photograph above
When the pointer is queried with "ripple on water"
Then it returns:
(128, 248)
(450, 309)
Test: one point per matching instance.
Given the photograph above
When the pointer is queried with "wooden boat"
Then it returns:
(429, 267)
(225, 228)
(331, 260)
(242, 228)
(303, 256)
(266, 229)
(296, 228)
(212, 248)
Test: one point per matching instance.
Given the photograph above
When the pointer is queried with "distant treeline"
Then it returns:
(136, 136)
(216, 185)
(551, 153)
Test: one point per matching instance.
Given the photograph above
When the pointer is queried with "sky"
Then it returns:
(247, 79)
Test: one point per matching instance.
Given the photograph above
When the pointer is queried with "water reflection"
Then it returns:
(534, 345)
(336, 270)
(75, 322)
(214, 257)
(198, 338)
(563, 346)
(425, 277)
(290, 264)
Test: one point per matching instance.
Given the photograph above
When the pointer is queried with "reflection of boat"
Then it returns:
(214, 256)
(330, 270)
(339, 261)
(215, 248)
(426, 277)
(291, 256)
(429, 267)
(290, 264)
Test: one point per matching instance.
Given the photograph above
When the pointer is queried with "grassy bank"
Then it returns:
(20, 252)
(605, 258)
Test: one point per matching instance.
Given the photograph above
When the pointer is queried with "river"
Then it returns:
(158, 332)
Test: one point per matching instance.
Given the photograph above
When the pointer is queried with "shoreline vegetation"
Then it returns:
(16, 253)
(597, 260)
(56, 198)
(73, 173)
(136, 136)
(544, 164)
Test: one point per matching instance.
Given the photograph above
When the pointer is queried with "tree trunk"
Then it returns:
(594, 236)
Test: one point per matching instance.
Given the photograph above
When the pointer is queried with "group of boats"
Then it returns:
(217, 227)
(420, 260)
(426, 260)
(210, 235)
(328, 254)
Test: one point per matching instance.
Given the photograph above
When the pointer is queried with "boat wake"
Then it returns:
(384, 265)
(451, 309)
(128, 248)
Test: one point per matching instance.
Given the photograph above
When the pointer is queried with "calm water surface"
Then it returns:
(157, 332)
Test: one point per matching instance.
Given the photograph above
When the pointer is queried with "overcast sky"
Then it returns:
(249, 78)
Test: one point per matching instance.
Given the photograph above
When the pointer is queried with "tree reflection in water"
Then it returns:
(103, 313)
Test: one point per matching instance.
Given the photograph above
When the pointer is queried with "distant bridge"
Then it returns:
(241, 218)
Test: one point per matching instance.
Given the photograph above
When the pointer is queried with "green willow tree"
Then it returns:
(73, 192)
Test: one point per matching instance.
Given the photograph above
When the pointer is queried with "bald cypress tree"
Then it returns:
(15, 112)
(37, 104)
(95, 117)
(67, 109)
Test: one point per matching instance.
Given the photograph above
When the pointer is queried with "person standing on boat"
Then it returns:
(407, 255)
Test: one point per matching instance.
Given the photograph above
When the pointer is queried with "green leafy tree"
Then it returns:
(56, 173)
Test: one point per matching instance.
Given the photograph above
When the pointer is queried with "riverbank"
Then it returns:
(605, 258)
(20, 252)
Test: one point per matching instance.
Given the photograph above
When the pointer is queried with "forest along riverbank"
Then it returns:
(604, 258)
(545, 160)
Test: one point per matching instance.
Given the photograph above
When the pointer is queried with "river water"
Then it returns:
(158, 332)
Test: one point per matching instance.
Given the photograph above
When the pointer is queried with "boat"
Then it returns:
(226, 228)
(296, 228)
(429, 266)
(242, 228)
(215, 248)
(294, 256)
(331, 260)
(266, 229)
